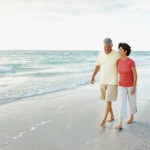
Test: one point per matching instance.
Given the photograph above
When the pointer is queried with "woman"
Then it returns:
(127, 84)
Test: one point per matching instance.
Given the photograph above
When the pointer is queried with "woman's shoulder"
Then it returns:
(119, 59)
(131, 60)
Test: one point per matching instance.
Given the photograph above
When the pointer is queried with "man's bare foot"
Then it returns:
(130, 121)
(102, 124)
(111, 119)
(118, 127)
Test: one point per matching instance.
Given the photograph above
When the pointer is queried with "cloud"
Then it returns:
(57, 10)
(71, 24)
(68, 7)
(142, 6)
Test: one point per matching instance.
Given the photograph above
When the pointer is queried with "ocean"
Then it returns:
(30, 73)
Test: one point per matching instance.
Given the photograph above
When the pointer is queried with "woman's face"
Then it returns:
(122, 52)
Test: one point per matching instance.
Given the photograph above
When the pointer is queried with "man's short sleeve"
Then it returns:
(98, 59)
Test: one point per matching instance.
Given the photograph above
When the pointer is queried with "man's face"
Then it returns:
(107, 48)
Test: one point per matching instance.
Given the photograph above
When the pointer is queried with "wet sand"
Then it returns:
(69, 120)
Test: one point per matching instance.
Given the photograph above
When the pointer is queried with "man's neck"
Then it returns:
(108, 52)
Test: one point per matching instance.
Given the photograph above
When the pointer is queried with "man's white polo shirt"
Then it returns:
(108, 67)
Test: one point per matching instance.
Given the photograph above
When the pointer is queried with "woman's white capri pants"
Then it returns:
(124, 93)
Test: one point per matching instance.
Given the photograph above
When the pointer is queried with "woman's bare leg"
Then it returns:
(119, 126)
(131, 119)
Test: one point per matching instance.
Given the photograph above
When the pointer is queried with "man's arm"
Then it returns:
(97, 68)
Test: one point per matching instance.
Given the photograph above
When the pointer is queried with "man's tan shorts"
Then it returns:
(108, 92)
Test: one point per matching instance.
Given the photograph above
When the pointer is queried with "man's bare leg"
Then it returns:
(111, 115)
(107, 110)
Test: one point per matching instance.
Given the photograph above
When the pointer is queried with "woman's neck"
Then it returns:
(124, 57)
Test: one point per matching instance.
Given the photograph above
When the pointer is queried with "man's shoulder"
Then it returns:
(116, 53)
(101, 53)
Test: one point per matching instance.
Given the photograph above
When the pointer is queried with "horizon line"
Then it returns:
(58, 50)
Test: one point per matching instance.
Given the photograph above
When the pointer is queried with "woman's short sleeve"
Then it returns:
(132, 63)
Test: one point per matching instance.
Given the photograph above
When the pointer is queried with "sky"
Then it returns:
(73, 24)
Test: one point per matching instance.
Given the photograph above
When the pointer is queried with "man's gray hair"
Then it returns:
(108, 41)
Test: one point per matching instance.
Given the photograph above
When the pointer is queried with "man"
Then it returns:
(106, 64)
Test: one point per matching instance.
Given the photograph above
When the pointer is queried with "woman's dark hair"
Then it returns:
(125, 47)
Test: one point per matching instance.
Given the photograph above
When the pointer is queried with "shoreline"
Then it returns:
(68, 121)
(49, 94)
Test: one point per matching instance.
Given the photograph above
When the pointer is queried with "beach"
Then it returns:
(48, 103)
(70, 120)
(54, 54)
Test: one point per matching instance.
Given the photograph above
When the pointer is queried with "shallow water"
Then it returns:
(30, 73)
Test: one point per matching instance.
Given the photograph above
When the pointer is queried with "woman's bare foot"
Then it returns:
(111, 119)
(118, 127)
(130, 121)
(102, 124)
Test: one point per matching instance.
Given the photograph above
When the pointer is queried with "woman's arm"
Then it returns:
(134, 80)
